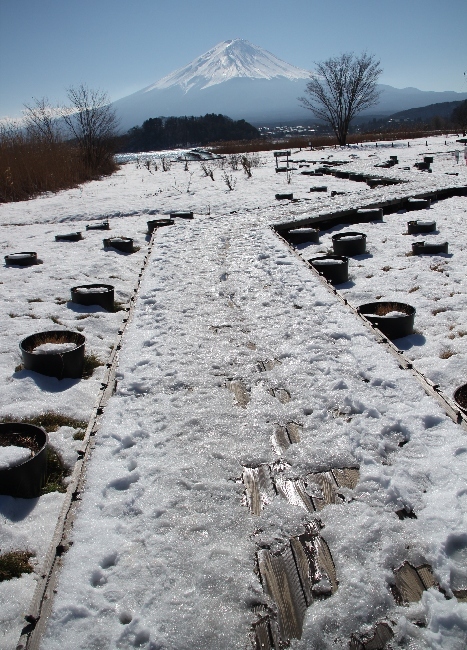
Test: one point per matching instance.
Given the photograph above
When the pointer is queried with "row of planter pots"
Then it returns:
(123, 244)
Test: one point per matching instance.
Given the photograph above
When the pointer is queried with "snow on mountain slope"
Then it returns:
(227, 60)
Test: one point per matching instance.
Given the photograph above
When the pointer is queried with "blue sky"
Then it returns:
(121, 46)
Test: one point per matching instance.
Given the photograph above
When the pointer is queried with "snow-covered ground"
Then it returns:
(163, 552)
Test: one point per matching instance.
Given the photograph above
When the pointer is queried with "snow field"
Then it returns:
(164, 550)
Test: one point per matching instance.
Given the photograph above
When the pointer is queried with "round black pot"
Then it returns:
(341, 174)
(158, 223)
(302, 235)
(334, 268)
(181, 215)
(349, 243)
(374, 182)
(94, 294)
(460, 397)
(359, 178)
(395, 159)
(21, 259)
(422, 248)
(54, 364)
(71, 236)
(428, 159)
(394, 327)
(418, 204)
(418, 227)
(318, 188)
(25, 480)
(422, 166)
(101, 225)
(281, 197)
(124, 244)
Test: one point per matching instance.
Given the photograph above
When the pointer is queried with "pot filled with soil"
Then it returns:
(349, 243)
(56, 353)
(71, 236)
(335, 268)
(420, 227)
(23, 459)
(284, 197)
(123, 244)
(393, 319)
(418, 204)
(21, 259)
(424, 248)
(94, 294)
(158, 223)
(303, 235)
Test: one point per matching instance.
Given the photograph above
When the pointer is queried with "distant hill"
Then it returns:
(442, 109)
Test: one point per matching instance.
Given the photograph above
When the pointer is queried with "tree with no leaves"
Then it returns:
(41, 120)
(92, 123)
(341, 88)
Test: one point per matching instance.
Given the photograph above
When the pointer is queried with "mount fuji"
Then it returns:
(244, 81)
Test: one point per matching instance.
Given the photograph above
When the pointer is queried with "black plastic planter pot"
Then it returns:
(341, 174)
(393, 319)
(394, 159)
(26, 479)
(369, 214)
(460, 397)
(335, 268)
(280, 170)
(21, 259)
(303, 235)
(282, 197)
(94, 294)
(349, 243)
(422, 248)
(51, 360)
(422, 166)
(158, 223)
(71, 236)
(318, 188)
(101, 225)
(123, 244)
(181, 215)
(418, 204)
(419, 227)
(428, 159)
(359, 178)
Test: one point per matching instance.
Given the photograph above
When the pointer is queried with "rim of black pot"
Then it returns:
(342, 259)
(27, 429)
(422, 223)
(118, 239)
(460, 397)
(106, 287)
(100, 225)
(372, 308)
(31, 342)
(343, 235)
(25, 255)
(302, 230)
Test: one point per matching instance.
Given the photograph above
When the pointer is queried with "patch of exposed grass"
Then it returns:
(60, 301)
(14, 564)
(386, 268)
(50, 421)
(446, 353)
(13, 315)
(56, 320)
(79, 435)
(56, 473)
(35, 300)
(19, 367)
(91, 362)
(119, 306)
(438, 310)
(82, 316)
(414, 289)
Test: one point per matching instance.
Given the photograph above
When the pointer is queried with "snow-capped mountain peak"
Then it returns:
(227, 60)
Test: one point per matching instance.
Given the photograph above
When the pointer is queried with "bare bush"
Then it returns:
(229, 180)
(208, 170)
(234, 161)
(166, 164)
(246, 164)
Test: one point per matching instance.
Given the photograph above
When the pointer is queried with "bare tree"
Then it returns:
(41, 120)
(92, 123)
(459, 116)
(341, 88)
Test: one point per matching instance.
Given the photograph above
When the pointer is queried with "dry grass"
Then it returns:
(91, 362)
(14, 564)
(30, 166)
(49, 420)
(414, 289)
(446, 353)
(439, 310)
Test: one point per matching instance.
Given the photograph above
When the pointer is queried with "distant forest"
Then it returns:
(164, 133)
